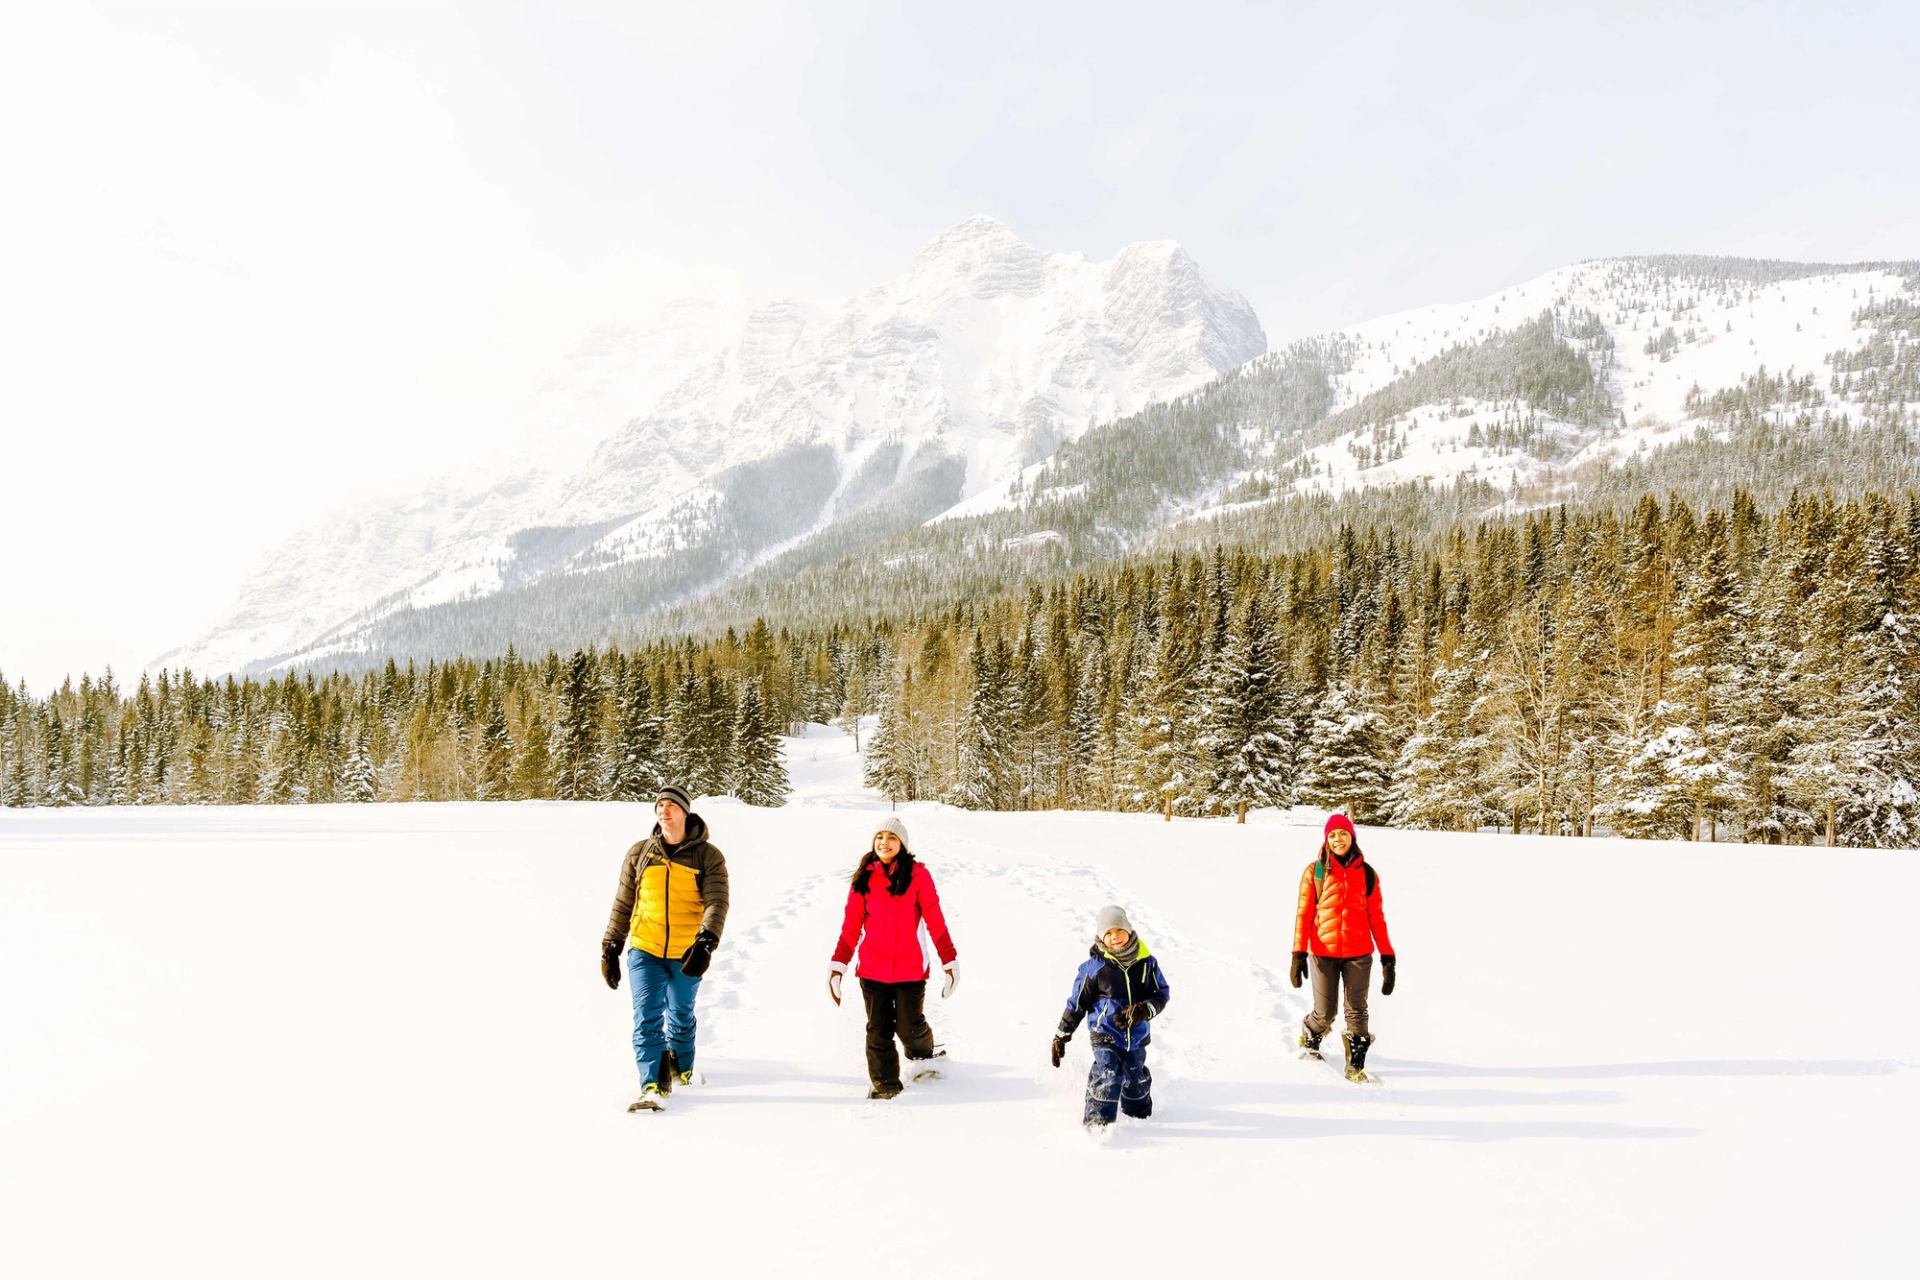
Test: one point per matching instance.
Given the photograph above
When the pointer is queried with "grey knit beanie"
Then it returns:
(1110, 917)
(676, 794)
(891, 823)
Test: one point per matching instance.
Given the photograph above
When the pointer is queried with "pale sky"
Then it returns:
(257, 259)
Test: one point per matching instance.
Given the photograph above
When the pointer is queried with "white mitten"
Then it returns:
(952, 979)
(833, 981)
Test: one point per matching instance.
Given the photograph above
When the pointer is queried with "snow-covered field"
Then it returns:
(374, 1041)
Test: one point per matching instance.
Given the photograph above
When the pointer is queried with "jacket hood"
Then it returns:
(696, 832)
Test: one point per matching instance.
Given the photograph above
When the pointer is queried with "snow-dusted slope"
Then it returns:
(988, 352)
(395, 1012)
(1723, 333)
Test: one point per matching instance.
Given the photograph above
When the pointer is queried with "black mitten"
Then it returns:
(1297, 973)
(610, 964)
(1386, 984)
(699, 955)
(1059, 1049)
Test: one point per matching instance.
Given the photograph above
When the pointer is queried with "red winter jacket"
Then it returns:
(890, 951)
(1340, 914)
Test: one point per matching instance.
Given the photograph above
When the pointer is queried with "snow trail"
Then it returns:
(222, 1028)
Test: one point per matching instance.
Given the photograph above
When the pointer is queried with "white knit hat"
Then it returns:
(1110, 917)
(892, 823)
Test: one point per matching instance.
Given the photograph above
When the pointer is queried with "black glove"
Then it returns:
(1059, 1049)
(1134, 1014)
(1386, 987)
(610, 964)
(699, 955)
(1297, 974)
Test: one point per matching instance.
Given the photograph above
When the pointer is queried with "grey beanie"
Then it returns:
(891, 823)
(1110, 917)
(676, 794)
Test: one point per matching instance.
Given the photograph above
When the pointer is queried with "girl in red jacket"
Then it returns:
(1340, 920)
(890, 896)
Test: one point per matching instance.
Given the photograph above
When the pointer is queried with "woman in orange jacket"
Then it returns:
(1340, 921)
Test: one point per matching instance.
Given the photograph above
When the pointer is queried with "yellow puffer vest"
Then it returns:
(667, 906)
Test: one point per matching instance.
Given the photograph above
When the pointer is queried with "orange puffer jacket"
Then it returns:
(1340, 914)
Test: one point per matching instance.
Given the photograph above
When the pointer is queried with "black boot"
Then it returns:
(1357, 1047)
(669, 1071)
(1309, 1042)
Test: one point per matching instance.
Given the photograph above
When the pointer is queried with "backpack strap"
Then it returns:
(1373, 878)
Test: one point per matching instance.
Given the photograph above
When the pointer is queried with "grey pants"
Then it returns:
(1329, 976)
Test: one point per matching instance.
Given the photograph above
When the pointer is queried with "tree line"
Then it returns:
(1664, 670)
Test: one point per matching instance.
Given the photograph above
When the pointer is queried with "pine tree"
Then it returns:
(496, 751)
(634, 770)
(986, 774)
(1247, 731)
(888, 766)
(1440, 776)
(1346, 766)
(576, 752)
(759, 773)
(1704, 754)
(358, 784)
(533, 767)
(62, 787)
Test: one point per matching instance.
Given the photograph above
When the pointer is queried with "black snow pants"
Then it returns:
(895, 1008)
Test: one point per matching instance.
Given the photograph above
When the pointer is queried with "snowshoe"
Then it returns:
(1357, 1047)
(881, 1092)
(1309, 1043)
(651, 1099)
(926, 1068)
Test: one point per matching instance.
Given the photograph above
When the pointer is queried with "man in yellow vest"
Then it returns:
(668, 914)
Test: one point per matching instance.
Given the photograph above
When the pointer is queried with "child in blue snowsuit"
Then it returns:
(1118, 991)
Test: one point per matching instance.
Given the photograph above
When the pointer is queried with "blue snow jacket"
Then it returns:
(1103, 988)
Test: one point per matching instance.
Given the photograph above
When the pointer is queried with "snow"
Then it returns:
(373, 1040)
(1436, 445)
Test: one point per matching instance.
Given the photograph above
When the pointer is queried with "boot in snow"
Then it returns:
(1309, 1043)
(927, 1068)
(881, 1092)
(1357, 1047)
(650, 1099)
(669, 1071)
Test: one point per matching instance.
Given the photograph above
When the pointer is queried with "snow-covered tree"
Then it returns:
(1346, 755)
(759, 774)
(1440, 777)
(1248, 720)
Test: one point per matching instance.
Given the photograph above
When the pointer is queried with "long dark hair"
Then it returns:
(899, 875)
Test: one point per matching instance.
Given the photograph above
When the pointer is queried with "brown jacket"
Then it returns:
(664, 900)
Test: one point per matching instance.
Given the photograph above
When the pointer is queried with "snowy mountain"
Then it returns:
(1663, 338)
(933, 438)
(1595, 384)
(723, 437)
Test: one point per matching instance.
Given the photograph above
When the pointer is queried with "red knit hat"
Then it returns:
(1339, 822)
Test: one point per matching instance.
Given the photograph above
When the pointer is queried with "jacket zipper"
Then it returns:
(1127, 980)
(666, 907)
